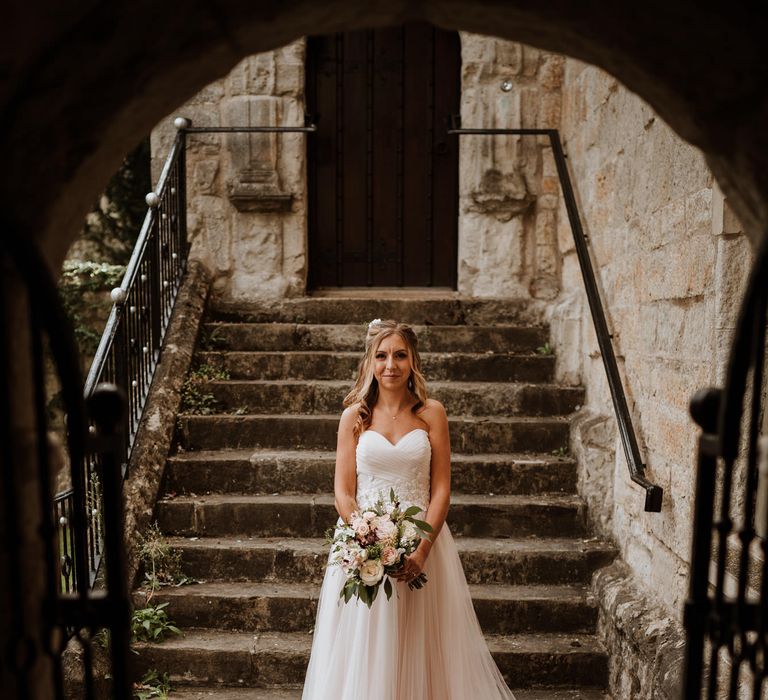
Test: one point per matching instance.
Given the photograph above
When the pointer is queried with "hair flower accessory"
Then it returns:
(375, 322)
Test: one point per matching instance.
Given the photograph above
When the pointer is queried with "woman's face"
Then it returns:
(391, 364)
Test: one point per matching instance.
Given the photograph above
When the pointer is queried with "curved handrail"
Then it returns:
(653, 492)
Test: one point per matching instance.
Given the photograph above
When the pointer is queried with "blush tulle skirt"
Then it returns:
(419, 645)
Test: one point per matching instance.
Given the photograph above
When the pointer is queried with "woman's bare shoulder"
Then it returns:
(348, 417)
(432, 412)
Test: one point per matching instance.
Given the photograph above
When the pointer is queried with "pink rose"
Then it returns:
(389, 556)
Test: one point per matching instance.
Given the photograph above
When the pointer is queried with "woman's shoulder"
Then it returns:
(349, 414)
(432, 411)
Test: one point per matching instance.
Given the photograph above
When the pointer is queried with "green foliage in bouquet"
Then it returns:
(357, 552)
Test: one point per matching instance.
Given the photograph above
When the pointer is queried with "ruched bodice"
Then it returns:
(403, 466)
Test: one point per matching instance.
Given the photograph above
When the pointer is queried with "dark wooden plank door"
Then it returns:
(382, 170)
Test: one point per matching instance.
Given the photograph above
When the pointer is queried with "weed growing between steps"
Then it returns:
(161, 562)
(193, 397)
(211, 339)
(152, 686)
(152, 624)
(545, 349)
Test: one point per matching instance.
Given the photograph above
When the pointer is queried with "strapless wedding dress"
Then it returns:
(419, 645)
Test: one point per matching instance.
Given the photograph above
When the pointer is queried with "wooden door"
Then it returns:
(383, 172)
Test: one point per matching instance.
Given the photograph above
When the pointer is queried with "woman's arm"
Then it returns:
(345, 476)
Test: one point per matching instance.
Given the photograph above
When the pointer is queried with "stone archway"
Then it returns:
(79, 93)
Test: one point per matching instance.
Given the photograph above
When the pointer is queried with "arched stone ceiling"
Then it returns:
(81, 82)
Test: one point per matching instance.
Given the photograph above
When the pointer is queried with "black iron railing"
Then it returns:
(653, 492)
(130, 347)
(726, 614)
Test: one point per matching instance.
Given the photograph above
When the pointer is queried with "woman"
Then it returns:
(422, 644)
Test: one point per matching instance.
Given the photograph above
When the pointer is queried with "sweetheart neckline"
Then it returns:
(395, 444)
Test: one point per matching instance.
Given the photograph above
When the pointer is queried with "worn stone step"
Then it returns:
(513, 561)
(469, 435)
(268, 659)
(291, 607)
(450, 310)
(311, 471)
(219, 693)
(351, 337)
(456, 366)
(459, 398)
(302, 515)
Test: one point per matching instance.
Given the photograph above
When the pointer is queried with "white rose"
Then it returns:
(369, 515)
(371, 572)
(410, 531)
(362, 528)
(386, 529)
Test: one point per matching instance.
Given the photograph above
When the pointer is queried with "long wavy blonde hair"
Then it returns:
(365, 392)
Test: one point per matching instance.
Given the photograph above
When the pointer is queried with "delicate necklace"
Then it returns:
(398, 413)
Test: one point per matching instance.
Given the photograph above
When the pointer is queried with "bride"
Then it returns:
(422, 644)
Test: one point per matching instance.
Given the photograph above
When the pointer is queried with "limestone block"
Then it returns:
(672, 273)
(645, 647)
(549, 111)
(237, 79)
(289, 80)
(261, 74)
(551, 71)
(593, 442)
(490, 257)
(698, 212)
(476, 48)
(258, 268)
(204, 174)
(733, 263)
(531, 60)
(508, 57)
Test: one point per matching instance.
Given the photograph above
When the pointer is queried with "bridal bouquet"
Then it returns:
(373, 544)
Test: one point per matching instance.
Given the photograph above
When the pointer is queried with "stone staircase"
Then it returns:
(249, 495)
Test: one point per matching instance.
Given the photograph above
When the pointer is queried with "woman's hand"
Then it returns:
(413, 565)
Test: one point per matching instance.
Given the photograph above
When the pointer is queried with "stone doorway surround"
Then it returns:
(248, 193)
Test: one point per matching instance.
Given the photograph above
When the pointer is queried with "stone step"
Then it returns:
(459, 398)
(469, 435)
(311, 471)
(303, 515)
(219, 693)
(449, 310)
(458, 366)
(291, 607)
(269, 659)
(351, 338)
(521, 561)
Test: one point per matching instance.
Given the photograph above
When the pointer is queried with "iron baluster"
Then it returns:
(705, 406)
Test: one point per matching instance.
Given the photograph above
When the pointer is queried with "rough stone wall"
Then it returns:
(508, 186)
(246, 192)
(672, 263)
